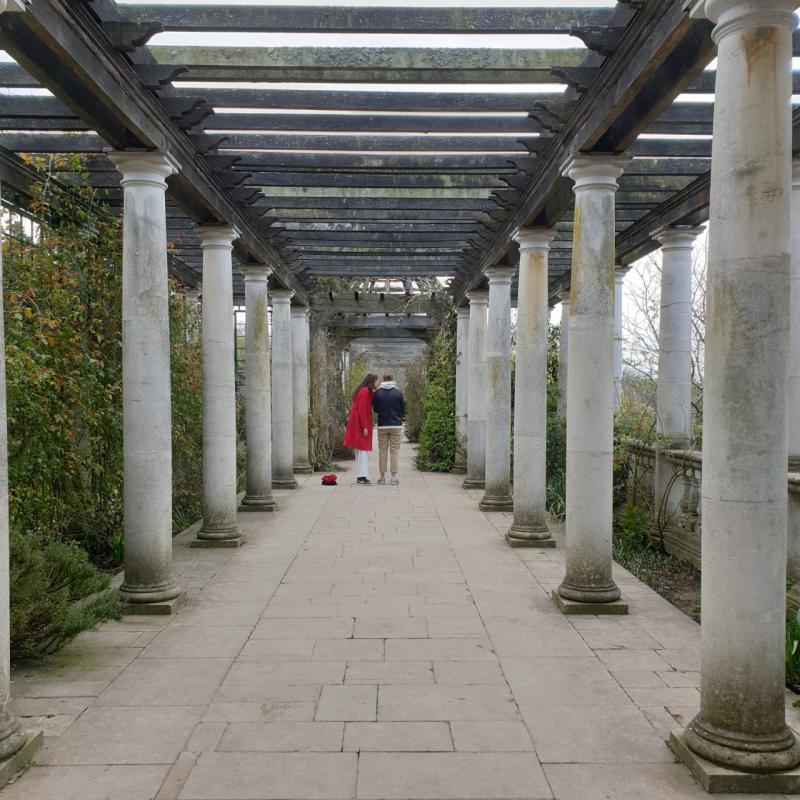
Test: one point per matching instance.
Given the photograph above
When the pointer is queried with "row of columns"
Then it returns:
(750, 383)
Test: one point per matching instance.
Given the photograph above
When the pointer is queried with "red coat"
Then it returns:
(360, 418)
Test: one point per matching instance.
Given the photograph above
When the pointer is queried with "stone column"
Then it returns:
(300, 389)
(498, 401)
(476, 392)
(674, 389)
(674, 386)
(588, 586)
(462, 389)
(563, 355)
(12, 737)
(146, 395)
(793, 411)
(741, 723)
(257, 391)
(220, 528)
(619, 278)
(529, 528)
(282, 394)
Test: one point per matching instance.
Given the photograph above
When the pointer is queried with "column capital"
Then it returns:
(256, 273)
(500, 276)
(534, 238)
(563, 296)
(300, 311)
(731, 16)
(216, 236)
(140, 168)
(13, 5)
(462, 312)
(478, 297)
(620, 271)
(596, 171)
(281, 296)
(192, 294)
(678, 237)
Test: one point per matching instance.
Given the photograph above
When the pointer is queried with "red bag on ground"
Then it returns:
(329, 480)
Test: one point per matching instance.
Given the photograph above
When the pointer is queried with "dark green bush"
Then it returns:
(437, 440)
(414, 392)
(63, 323)
(47, 579)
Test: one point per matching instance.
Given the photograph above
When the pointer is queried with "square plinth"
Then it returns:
(13, 765)
(540, 543)
(237, 542)
(575, 607)
(718, 780)
(155, 609)
(263, 508)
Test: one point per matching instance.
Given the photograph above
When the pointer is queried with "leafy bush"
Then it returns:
(437, 440)
(793, 653)
(63, 322)
(47, 579)
(414, 391)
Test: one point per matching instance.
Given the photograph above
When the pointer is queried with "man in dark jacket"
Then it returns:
(390, 406)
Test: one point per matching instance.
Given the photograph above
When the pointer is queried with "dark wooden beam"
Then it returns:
(376, 65)
(62, 46)
(369, 123)
(315, 100)
(374, 180)
(342, 19)
(320, 142)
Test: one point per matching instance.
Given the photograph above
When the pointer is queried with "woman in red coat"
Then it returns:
(358, 434)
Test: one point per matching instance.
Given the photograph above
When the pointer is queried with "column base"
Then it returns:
(257, 503)
(716, 779)
(303, 469)
(156, 609)
(12, 765)
(473, 483)
(458, 469)
(743, 752)
(514, 539)
(504, 503)
(576, 607)
(237, 541)
(151, 597)
(284, 483)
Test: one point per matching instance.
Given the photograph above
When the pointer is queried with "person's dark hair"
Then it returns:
(368, 381)
(388, 377)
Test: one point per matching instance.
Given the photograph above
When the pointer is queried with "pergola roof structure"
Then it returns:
(425, 167)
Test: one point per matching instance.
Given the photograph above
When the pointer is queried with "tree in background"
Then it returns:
(414, 392)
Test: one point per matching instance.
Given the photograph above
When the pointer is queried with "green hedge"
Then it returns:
(64, 390)
(437, 440)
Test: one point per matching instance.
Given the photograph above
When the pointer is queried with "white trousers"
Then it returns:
(362, 463)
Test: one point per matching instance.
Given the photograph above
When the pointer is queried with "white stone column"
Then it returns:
(619, 278)
(12, 737)
(146, 385)
(793, 411)
(462, 388)
(282, 393)
(300, 389)
(588, 586)
(476, 393)
(674, 389)
(741, 723)
(220, 528)
(529, 528)
(498, 401)
(563, 356)
(257, 391)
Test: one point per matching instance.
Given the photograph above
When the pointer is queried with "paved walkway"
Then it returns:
(377, 642)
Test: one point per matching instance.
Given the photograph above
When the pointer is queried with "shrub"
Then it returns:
(793, 654)
(414, 391)
(47, 579)
(437, 441)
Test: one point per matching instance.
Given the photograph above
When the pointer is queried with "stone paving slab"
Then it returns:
(373, 643)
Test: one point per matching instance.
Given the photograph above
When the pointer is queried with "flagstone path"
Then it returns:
(380, 643)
